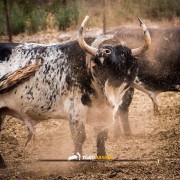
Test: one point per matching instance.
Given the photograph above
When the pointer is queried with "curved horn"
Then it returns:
(98, 41)
(81, 41)
(147, 41)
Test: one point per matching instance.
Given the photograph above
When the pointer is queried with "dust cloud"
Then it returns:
(153, 138)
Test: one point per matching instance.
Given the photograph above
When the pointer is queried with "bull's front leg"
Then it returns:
(101, 137)
(123, 113)
(154, 101)
(77, 121)
(117, 127)
(78, 134)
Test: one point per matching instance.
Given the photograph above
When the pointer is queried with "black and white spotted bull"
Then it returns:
(66, 86)
(158, 69)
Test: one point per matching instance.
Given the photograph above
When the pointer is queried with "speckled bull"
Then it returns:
(68, 85)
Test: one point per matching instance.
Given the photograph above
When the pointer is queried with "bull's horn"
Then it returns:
(147, 41)
(98, 41)
(81, 41)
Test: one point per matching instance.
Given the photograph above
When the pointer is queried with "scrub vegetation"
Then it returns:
(32, 16)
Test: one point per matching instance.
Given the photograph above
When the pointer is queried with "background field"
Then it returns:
(32, 16)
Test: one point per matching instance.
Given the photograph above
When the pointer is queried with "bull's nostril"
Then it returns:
(108, 52)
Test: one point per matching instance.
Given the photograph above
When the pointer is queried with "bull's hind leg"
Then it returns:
(21, 116)
(117, 127)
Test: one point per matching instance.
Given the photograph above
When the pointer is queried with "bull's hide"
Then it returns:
(11, 80)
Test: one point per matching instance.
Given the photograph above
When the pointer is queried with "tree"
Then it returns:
(7, 20)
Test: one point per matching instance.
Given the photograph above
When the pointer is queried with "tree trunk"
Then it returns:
(7, 20)
(64, 3)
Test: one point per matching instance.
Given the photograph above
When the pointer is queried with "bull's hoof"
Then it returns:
(156, 113)
(128, 134)
(75, 157)
(101, 151)
(101, 154)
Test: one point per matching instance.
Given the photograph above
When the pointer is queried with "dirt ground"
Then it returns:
(151, 153)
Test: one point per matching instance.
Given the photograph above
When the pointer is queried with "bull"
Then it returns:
(66, 86)
(158, 69)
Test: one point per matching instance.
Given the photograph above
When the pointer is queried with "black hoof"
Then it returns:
(157, 113)
(128, 134)
(101, 153)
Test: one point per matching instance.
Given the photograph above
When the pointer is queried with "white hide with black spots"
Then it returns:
(42, 94)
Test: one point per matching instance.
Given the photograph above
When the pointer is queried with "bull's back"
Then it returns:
(46, 94)
(159, 68)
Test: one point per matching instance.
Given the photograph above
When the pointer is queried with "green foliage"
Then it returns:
(127, 9)
(17, 19)
(2, 20)
(67, 16)
(31, 15)
(151, 9)
(37, 20)
(163, 9)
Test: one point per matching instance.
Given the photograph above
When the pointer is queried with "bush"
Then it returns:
(17, 19)
(31, 15)
(163, 9)
(151, 9)
(37, 20)
(3, 30)
(67, 16)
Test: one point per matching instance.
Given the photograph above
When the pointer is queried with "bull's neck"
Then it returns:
(114, 94)
(98, 81)
(107, 90)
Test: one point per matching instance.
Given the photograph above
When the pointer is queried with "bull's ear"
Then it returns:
(103, 40)
(147, 41)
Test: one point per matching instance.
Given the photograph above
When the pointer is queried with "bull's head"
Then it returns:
(105, 52)
(115, 63)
